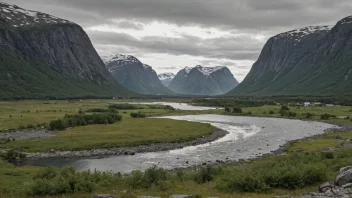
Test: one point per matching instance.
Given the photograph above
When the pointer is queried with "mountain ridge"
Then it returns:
(203, 81)
(135, 75)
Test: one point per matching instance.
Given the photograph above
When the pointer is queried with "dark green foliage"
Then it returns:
(228, 109)
(271, 112)
(12, 155)
(137, 115)
(101, 110)
(51, 181)
(290, 172)
(327, 116)
(285, 108)
(124, 106)
(236, 110)
(82, 120)
(308, 115)
(151, 177)
(207, 174)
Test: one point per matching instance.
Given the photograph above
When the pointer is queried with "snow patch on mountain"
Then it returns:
(298, 34)
(19, 17)
(207, 71)
(166, 76)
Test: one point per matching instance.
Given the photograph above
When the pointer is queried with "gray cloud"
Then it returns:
(238, 48)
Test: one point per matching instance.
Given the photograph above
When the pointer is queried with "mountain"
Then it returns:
(203, 81)
(135, 76)
(166, 78)
(309, 61)
(42, 56)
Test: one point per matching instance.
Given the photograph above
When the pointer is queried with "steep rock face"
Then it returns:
(317, 61)
(203, 81)
(166, 78)
(135, 76)
(52, 57)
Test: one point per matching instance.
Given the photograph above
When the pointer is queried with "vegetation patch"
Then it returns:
(83, 120)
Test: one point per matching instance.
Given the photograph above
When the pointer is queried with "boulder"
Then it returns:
(325, 187)
(344, 177)
(345, 169)
(105, 196)
(349, 185)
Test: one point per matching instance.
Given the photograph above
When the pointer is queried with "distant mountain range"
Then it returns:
(166, 78)
(135, 76)
(43, 56)
(315, 60)
(203, 81)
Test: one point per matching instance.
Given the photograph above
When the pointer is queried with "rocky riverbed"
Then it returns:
(27, 134)
(118, 151)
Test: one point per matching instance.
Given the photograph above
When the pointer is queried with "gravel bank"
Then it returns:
(27, 134)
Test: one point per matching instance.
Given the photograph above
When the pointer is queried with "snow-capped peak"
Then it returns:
(166, 76)
(298, 34)
(208, 70)
(19, 17)
(119, 57)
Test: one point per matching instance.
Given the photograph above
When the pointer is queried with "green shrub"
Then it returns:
(236, 110)
(138, 115)
(13, 155)
(124, 106)
(285, 108)
(82, 120)
(271, 112)
(228, 109)
(102, 110)
(326, 116)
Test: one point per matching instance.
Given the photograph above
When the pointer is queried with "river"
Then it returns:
(248, 137)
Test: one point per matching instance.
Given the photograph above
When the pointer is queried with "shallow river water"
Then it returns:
(248, 137)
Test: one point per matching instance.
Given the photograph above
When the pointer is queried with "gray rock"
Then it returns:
(105, 196)
(181, 196)
(325, 187)
(343, 169)
(344, 178)
(349, 185)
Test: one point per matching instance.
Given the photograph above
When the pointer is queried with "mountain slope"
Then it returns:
(44, 56)
(166, 78)
(135, 76)
(309, 61)
(203, 81)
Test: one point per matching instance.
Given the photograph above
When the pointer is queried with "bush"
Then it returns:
(124, 106)
(271, 112)
(82, 120)
(152, 177)
(285, 108)
(138, 115)
(236, 110)
(308, 115)
(327, 116)
(228, 109)
(50, 182)
(101, 110)
(13, 155)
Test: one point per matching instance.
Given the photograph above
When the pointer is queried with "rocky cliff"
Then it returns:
(135, 76)
(203, 81)
(308, 61)
(45, 56)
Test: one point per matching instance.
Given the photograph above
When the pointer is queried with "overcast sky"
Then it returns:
(172, 34)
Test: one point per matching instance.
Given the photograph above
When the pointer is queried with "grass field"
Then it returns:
(339, 111)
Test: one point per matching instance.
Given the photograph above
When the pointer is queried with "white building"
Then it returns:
(306, 104)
